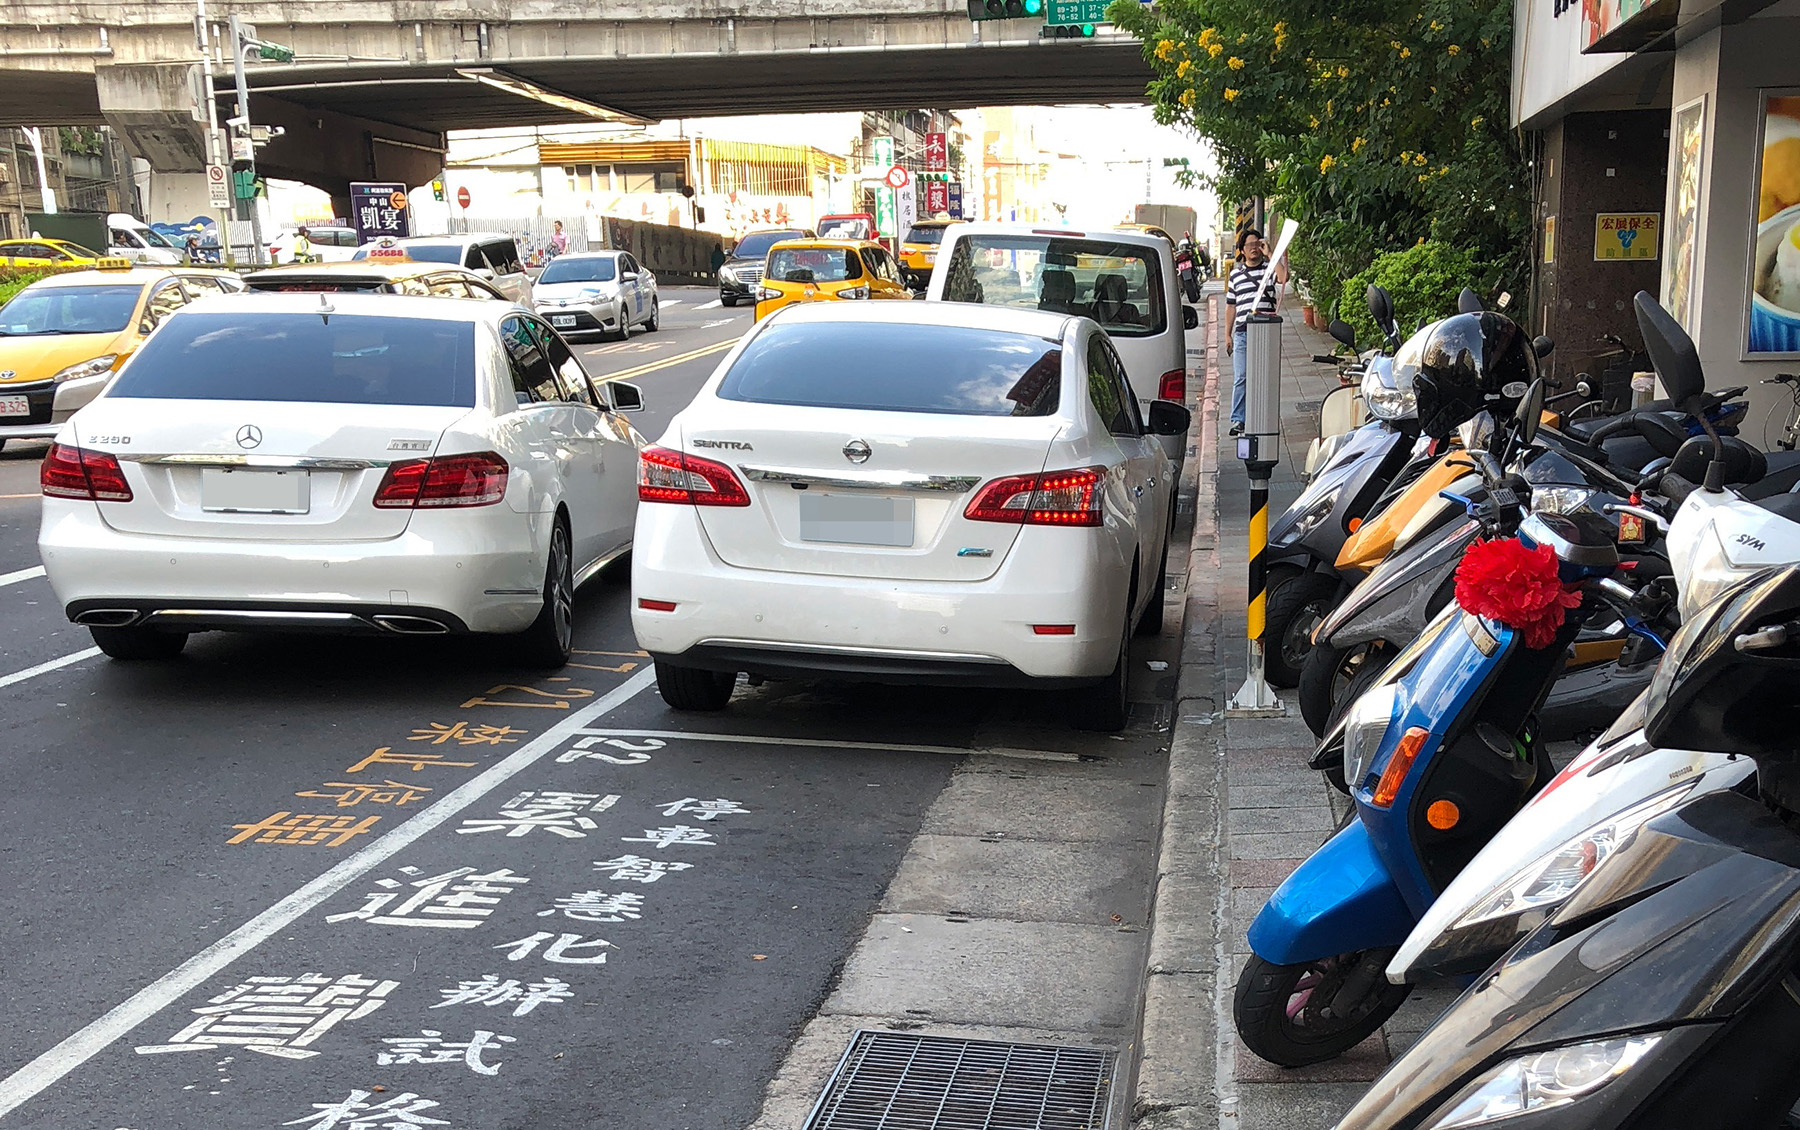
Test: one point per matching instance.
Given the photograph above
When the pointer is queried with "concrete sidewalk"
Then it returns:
(1241, 810)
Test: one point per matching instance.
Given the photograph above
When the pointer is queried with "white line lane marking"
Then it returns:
(21, 575)
(665, 303)
(825, 743)
(713, 305)
(46, 668)
(47, 1069)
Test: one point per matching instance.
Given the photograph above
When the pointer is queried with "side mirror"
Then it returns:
(1190, 318)
(628, 276)
(77, 394)
(1468, 302)
(485, 272)
(626, 397)
(1168, 418)
(1381, 307)
(1542, 345)
(146, 325)
(1342, 331)
(1531, 411)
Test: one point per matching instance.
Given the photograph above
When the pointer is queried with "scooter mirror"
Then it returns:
(1342, 331)
(1531, 412)
(1542, 345)
(1381, 307)
(1468, 302)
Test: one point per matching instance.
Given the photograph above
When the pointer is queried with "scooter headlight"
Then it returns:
(1560, 500)
(1386, 402)
(1304, 525)
(1543, 1080)
(1368, 722)
(1554, 876)
(1708, 575)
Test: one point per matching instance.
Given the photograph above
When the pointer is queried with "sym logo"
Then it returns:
(728, 444)
(249, 436)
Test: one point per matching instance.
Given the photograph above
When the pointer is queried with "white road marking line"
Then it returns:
(665, 303)
(825, 743)
(21, 575)
(47, 1069)
(713, 305)
(46, 668)
(715, 325)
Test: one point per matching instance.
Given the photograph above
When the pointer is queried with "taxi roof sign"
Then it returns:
(113, 263)
(388, 248)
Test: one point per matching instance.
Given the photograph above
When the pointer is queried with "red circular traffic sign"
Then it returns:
(462, 196)
(897, 177)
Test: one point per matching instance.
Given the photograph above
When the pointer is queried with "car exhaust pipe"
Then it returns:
(108, 617)
(410, 625)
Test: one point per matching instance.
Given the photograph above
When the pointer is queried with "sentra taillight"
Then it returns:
(478, 479)
(1054, 498)
(1173, 386)
(71, 472)
(676, 476)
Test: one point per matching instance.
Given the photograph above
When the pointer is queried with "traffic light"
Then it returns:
(437, 189)
(1004, 9)
(1067, 31)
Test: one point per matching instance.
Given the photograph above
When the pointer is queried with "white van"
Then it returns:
(128, 237)
(493, 256)
(1126, 281)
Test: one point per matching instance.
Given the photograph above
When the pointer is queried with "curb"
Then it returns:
(1179, 1046)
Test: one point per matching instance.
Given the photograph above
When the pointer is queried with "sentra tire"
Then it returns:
(1152, 622)
(550, 640)
(692, 689)
(1102, 708)
(655, 322)
(1295, 1015)
(138, 643)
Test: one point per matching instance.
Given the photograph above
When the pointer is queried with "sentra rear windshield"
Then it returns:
(1119, 285)
(949, 370)
(812, 264)
(310, 358)
(70, 310)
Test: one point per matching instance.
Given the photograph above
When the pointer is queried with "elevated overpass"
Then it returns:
(376, 83)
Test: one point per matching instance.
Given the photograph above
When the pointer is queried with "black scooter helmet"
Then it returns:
(1466, 363)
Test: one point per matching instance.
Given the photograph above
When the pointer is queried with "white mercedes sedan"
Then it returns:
(907, 492)
(341, 463)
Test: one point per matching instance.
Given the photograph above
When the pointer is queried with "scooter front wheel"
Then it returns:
(1295, 1015)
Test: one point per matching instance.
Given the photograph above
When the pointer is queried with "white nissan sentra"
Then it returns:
(340, 462)
(906, 492)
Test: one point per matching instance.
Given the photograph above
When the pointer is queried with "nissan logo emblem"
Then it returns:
(857, 451)
(249, 436)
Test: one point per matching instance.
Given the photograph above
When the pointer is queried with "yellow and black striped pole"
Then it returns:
(1259, 557)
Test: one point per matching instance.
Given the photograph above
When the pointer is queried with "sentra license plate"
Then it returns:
(854, 519)
(231, 491)
(14, 406)
(563, 321)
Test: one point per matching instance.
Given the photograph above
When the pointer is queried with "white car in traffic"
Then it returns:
(598, 291)
(344, 463)
(907, 492)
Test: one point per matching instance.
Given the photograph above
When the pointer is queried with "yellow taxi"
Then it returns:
(1146, 229)
(918, 251)
(383, 275)
(62, 337)
(824, 270)
(41, 254)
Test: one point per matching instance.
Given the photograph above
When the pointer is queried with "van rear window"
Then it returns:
(947, 370)
(1119, 285)
(341, 359)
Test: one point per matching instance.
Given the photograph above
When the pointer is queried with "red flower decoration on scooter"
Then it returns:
(1503, 580)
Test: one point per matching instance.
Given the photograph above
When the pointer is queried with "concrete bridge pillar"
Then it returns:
(152, 107)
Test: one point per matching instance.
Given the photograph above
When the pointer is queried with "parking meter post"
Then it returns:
(1260, 449)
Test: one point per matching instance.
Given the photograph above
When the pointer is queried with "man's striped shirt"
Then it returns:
(1242, 286)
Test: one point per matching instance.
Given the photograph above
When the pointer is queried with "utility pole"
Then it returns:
(243, 121)
(203, 32)
(36, 137)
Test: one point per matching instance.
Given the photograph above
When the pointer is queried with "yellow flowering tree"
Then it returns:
(1374, 123)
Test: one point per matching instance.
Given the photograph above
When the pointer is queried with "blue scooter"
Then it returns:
(1438, 755)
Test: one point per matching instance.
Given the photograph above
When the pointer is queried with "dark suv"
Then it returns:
(742, 270)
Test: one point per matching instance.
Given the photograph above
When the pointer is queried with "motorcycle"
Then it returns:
(1664, 991)
(1187, 269)
(1620, 781)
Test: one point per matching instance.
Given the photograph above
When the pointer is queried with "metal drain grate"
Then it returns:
(901, 1081)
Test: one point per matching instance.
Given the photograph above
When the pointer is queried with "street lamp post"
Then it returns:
(243, 122)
